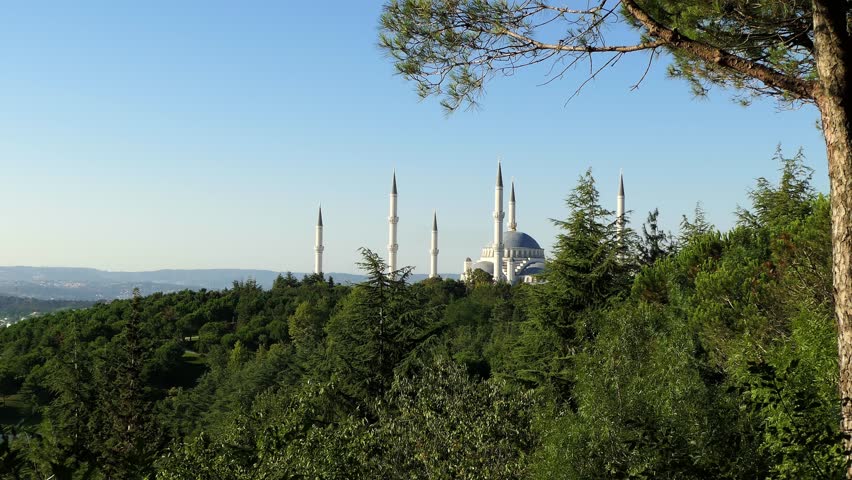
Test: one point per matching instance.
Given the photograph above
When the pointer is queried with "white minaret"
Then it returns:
(619, 207)
(513, 224)
(319, 247)
(512, 227)
(498, 225)
(392, 221)
(433, 266)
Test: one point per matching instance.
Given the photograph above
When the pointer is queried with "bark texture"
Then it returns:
(832, 54)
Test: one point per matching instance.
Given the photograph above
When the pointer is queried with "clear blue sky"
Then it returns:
(203, 134)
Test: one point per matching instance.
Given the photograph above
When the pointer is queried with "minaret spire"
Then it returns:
(393, 219)
(433, 265)
(318, 248)
(619, 206)
(513, 224)
(498, 225)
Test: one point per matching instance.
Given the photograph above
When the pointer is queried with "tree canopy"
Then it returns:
(797, 52)
(718, 360)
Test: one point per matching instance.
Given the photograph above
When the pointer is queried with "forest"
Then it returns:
(14, 308)
(696, 354)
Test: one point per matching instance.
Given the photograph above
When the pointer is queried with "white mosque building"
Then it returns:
(513, 257)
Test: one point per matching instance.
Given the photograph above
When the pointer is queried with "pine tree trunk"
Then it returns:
(831, 41)
(836, 124)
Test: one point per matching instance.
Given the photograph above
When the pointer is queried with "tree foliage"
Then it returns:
(717, 360)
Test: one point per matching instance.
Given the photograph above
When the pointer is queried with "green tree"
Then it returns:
(643, 410)
(250, 298)
(13, 462)
(590, 268)
(130, 435)
(699, 225)
(305, 326)
(375, 328)
(794, 51)
(280, 436)
(285, 281)
(590, 263)
(479, 277)
(655, 244)
(776, 207)
(66, 442)
(442, 424)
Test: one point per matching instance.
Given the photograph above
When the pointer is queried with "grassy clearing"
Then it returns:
(192, 358)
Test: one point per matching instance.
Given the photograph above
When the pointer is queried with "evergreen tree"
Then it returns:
(776, 206)
(13, 462)
(698, 226)
(285, 281)
(590, 268)
(590, 263)
(375, 328)
(130, 435)
(655, 243)
(65, 442)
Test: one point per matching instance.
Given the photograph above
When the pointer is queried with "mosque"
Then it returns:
(513, 257)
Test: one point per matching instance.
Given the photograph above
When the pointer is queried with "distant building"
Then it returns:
(513, 257)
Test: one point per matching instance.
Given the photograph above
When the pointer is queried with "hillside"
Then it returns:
(89, 284)
(13, 309)
(705, 355)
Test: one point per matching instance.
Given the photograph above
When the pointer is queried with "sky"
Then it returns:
(204, 134)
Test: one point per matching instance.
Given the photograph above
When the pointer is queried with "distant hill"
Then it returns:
(13, 309)
(61, 283)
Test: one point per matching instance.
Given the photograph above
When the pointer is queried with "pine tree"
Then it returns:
(130, 435)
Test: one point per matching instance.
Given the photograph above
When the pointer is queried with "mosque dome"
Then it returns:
(519, 240)
(487, 267)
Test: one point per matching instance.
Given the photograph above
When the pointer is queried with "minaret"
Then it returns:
(513, 225)
(433, 266)
(498, 225)
(392, 221)
(619, 207)
(319, 247)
